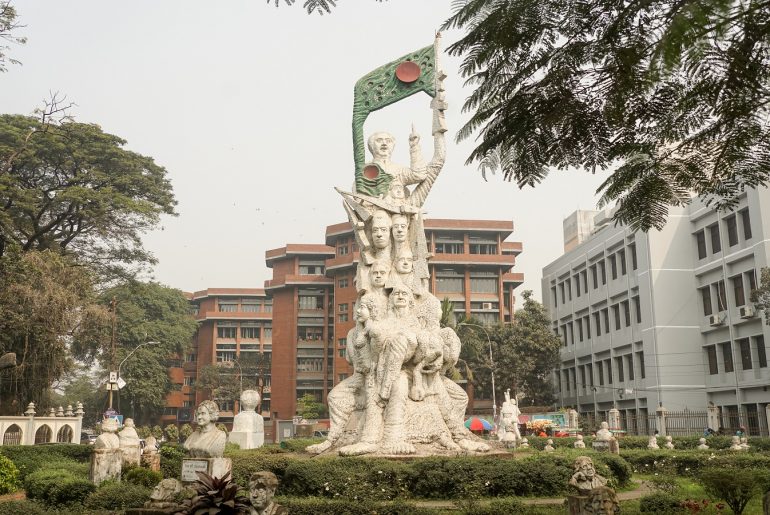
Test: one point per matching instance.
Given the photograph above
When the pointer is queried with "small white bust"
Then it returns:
(669, 442)
(524, 443)
(549, 446)
(653, 443)
(248, 425)
(604, 434)
(745, 443)
(579, 443)
(702, 445)
(736, 444)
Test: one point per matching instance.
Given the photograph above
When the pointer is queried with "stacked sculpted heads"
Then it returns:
(381, 145)
(404, 262)
(378, 274)
(249, 400)
(400, 227)
(381, 224)
(401, 297)
(366, 308)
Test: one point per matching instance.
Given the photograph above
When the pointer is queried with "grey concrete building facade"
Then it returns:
(664, 318)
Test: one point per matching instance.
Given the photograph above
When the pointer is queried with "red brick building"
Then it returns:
(305, 311)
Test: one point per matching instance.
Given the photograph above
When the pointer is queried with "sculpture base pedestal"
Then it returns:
(247, 440)
(577, 504)
(601, 446)
(216, 467)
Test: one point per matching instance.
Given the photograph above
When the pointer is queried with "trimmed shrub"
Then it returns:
(316, 505)
(29, 458)
(171, 456)
(9, 476)
(619, 468)
(661, 503)
(735, 487)
(690, 463)
(57, 487)
(142, 477)
(246, 462)
(112, 495)
(15, 507)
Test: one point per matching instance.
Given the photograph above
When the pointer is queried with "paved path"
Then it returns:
(640, 490)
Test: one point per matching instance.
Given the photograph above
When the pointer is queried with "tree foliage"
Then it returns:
(673, 93)
(147, 312)
(73, 188)
(524, 353)
(225, 381)
(48, 317)
(312, 6)
(8, 25)
(309, 408)
(761, 296)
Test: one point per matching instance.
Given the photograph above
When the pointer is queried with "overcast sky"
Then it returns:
(248, 107)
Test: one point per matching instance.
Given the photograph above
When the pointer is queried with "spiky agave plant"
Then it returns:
(217, 495)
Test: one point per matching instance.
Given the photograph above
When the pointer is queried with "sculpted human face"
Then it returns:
(259, 495)
(588, 470)
(404, 263)
(203, 416)
(363, 313)
(381, 145)
(401, 297)
(400, 228)
(381, 230)
(378, 275)
(397, 191)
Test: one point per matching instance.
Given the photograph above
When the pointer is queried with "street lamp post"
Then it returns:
(124, 360)
(491, 366)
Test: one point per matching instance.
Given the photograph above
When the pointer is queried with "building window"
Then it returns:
(761, 353)
(740, 299)
(706, 296)
(721, 295)
(483, 284)
(746, 223)
(616, 315)
(606, 313)
(603, 271)
(342, 342)
(187, 404)
(594, 276)
(228, 307)
(716, 245)
(226, 331)
(189, 381)
(268, 333)
(567, 286)
(577, 284)
(250, 306)
(745, 349)
(585, 281)
(343, 317)
(553, 294)
(630, 366)
(580, 329)
(311, 268)
(588, 326)
(225, 356)
(250, 332)
(310, 364)
(711, 355)
(613, 266)
(342, 308)
(619, 366)
(622, 259)
(482, 247)
(640, 361)
(626, 312)
(342, 352)
(727, 356)
(311, 302)
(450, 280)
(343, 283)
(268, 306)
(732, 230)
(608, 364)
(752, 277)
(632, 250)
(342, 250)
(191, 358)
(638, 308)
(600, 370)
(700, 238)
(597, 324)
(563, 295)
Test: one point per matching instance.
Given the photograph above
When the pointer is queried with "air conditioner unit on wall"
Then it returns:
(487, 305)
(715, 320)
(746, 312)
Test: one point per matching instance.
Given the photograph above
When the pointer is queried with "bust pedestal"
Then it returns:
(576, 504)
(216, 467)
(247, 440)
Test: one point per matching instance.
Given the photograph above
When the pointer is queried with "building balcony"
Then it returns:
(517, 279)
(501, 260)
(512, 247)
(341, 262)
(233, 315)
(297, 280)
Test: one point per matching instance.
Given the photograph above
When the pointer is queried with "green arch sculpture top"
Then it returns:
(380, 88)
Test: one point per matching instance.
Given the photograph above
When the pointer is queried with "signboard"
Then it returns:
(190, 467)
(113, 377)
(121, 383)
(119, 418)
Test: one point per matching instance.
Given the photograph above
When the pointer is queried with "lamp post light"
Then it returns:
(491, 366)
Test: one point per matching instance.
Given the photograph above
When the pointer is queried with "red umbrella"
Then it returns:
(478, 424)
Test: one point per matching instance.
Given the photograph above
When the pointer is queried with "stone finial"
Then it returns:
(30, 409)
(60, 412)
(79, 412)
(69, 412)
(51, 412)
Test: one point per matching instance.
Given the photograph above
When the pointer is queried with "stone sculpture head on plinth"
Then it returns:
(603, 501)
(248, 425)
(206, 441)
(107, 458)
(262, 486)
(164, 494)
(585, 477)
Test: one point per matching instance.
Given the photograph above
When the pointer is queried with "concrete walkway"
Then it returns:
(640, 490)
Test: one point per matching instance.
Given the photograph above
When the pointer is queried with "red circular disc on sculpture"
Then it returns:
(408, 71)
(371, 172)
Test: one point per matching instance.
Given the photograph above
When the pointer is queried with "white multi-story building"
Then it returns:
(664, 318)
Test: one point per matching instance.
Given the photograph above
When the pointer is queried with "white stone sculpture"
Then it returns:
(745, 443)
(572, 419)
(579, 443)
(603, 436)
(653, 442)
(735, 444)
(248, 425)
(206, 441)
(163, 496)
(509, 429)
(669, 442)
(262, 486)
(107, 458)
(585, 477)
(524, 443)
(549, 446)
(702, 444)
(150, 454)
(129, 444)
(399, 399)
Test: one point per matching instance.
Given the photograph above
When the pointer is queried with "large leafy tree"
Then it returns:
(146, 312)
(8, 26)
(673, 93)
(48, 317)
(225, 381)
(524, 354)
(73, 188)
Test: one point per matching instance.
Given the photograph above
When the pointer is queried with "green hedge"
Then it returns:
(171, 456)
(29, 458)
(640, 442)
(57, 487)
(9, 476)
(688, 463)
(316, 505)
(15, 507)
(112, 495)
